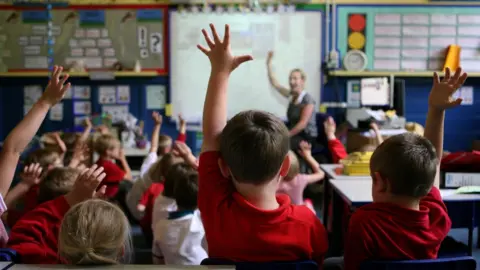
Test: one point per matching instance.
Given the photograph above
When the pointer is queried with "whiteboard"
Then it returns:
(294, 37)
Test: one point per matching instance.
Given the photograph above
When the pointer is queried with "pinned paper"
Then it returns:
(155, 97)
(81, 92)
(375, 92)
(123, 94)
(117, 112)
(107, 95)
(31, 93)
(82, 108)
(168, 110)
(466, 94)
(56, 112)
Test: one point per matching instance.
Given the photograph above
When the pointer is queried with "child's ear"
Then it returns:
(285, 166)
(379, 182)
(223, 168)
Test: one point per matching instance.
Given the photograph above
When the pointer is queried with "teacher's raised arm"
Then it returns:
(273, 81)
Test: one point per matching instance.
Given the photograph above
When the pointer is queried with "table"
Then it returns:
(359, 192)
(5, 265)
(115, 267)
(330, 173)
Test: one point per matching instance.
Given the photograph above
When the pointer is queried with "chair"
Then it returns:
(458, 263)
(9, 255)
(294, 265)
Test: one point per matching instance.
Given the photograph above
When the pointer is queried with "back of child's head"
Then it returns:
(164, 144)
(254, 145)
(57, 182)
(185, 180)
(105, 143)
(47, 158)
(294, 169)
(94, 232)
(70, 139)
(166, 163)
(408, 162)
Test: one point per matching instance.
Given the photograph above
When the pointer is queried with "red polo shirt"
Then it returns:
(384, 231)
(237, 230)
(113, 176)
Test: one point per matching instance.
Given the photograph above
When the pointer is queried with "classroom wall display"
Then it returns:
(295, 39)
(97, 36)
(410, 38)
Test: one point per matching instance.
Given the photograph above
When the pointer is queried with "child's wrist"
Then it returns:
(331, 136)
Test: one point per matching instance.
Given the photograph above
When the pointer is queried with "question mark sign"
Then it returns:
(156, 43)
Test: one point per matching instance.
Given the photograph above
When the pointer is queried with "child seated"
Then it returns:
(294, 183)
(35, 236)
(94, 232)
(407, 219)
(156, 188)
(108, 147)
(241, 165)
(179, 237)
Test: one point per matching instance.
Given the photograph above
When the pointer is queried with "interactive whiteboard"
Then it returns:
(294, 37)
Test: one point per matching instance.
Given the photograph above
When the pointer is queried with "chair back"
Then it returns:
(291, 265)
(454, 263)
(9, 255)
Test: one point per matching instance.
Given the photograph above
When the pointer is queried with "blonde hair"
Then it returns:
(302, 73)
(294, 169)
(415, 128)
(105, 142)
(45, 157)
(164, 142)
(94, 232)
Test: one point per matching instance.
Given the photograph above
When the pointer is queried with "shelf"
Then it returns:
(418, 74)
(81, 74)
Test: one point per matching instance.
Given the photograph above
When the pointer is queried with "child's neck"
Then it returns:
(107, 157)
(263, 197)
(403, 201)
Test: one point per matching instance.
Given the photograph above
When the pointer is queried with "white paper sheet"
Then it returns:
(468, 31)
(56, 112)
(414, 53)
(26, 109)
(468, 42)
(415, 42)
(117, 112)
(466, 94)
(387, 42)
(468, 19)
(390, 64)
(123, 94)
(415, 30)
(375, 91)
(387, 18)
(442, 42)
(81, 92)
(31, 93)
(423, 19)
(155, 97)
(388, 31)
(82, 107)
(107, 95)
(410, 64)
(443, 30)
(391, 53)
(443, 19)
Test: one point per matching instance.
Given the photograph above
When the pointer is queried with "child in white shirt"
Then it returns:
(179, 235)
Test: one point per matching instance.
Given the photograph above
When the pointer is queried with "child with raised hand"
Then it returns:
(35, 236)
(242, 162)
(94, 232)
(294, 183)
(407, 219)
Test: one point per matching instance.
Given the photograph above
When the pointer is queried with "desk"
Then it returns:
(115, 267)
(330, 173)
(5, 265)
(136, 152)
(356, 193)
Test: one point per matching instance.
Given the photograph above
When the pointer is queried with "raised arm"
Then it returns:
(60, 143)
(182, 132)
(337, 150)
(23, 133)
(376, 131)
(215, 107)
(123, 161)
(439, 100)
(86, 131)
(273, 80)
(157, 119)
(306, 152)
(30, 177)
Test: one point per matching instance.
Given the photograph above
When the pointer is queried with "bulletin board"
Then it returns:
(98, 35)
(410, 38)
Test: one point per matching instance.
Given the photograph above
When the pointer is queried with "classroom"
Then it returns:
(240, 134)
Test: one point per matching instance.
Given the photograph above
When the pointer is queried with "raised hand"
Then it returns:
(182, 149)
(157, 118)
(269, 57)
(441, 95)
(220, 53)
(31, 174)
(305, 149)
(56, 87)
(88, 123)
(86, 185)
(181, 120)
(330, 127)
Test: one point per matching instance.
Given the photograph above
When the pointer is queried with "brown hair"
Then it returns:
(44, 157)
(164, 142)
(105, 142)
(254, 144)
(302, 73)
(57, 182)
(294, 169)
(409, 163)
(167, 162)
(186, 185)
(94, 232)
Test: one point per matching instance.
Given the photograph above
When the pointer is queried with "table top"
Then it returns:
(136, 152)
(114, 267)
(359, 192)
(329, 169)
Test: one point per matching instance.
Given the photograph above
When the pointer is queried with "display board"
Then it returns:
(294, 37)
(410, 38)
(98, 36)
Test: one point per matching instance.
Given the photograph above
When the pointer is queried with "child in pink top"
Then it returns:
(294, 182)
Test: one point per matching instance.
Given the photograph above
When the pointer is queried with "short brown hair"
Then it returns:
(409, 162)
(186, 185)
(164, 142)
(105, 142)
(57, 182)
(44, 157)
(294, 169)
(254, 144)
(166, 163)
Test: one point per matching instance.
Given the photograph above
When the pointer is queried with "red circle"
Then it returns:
(356, 22)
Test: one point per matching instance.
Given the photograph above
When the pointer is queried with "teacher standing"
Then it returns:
(301, 109)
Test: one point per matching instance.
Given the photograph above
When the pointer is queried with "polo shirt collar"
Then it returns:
(265, 216)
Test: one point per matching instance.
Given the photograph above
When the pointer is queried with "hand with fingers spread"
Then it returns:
(31, 174)
(305, 149)
(441, 95)
(56, 87)
(330, 128)
(220, 53)
(86, 186)
(186, 153)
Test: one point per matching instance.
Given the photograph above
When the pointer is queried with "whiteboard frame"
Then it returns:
(198, 125)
